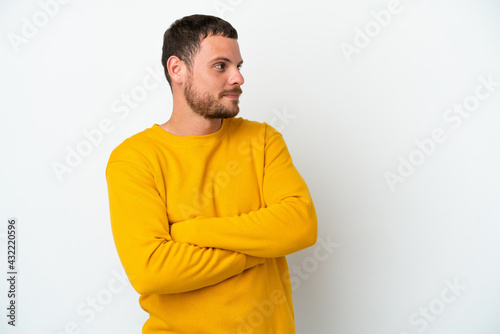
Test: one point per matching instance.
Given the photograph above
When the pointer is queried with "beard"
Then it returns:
(204, 104)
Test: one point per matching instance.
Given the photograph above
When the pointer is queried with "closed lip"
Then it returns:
(232, 96)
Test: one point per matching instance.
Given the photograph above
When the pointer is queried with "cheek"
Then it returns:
(213, 81)
(213, 84)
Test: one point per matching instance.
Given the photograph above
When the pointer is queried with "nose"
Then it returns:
(236, 78)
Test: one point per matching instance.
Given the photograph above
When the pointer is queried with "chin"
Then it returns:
(233, 115)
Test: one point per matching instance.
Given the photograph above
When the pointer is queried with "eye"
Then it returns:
(220, 66)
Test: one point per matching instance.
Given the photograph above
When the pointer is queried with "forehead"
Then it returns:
(218, 47)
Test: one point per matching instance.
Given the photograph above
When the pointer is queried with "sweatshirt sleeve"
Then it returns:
(286, 225)
(153, 262)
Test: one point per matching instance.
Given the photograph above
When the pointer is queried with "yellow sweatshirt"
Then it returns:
(202, 225)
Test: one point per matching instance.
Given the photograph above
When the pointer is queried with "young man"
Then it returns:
(205, 207)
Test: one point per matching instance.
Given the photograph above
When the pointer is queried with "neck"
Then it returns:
(195, 126)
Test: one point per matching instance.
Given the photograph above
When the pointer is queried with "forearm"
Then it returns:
(278, 230)
(165, 267)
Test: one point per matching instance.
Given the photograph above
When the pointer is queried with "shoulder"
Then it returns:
(260, 129)
(135, 148)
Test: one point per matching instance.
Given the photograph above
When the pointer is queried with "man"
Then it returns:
(205, 207)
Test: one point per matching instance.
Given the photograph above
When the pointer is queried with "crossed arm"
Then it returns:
(286, 225)
(205, 251)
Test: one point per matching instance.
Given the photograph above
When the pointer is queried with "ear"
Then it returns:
(175, 68)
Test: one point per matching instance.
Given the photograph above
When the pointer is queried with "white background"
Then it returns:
(351, 120)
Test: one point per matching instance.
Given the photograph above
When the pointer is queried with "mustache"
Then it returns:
(236, 90)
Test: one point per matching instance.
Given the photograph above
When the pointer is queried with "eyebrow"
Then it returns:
(226, 59)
